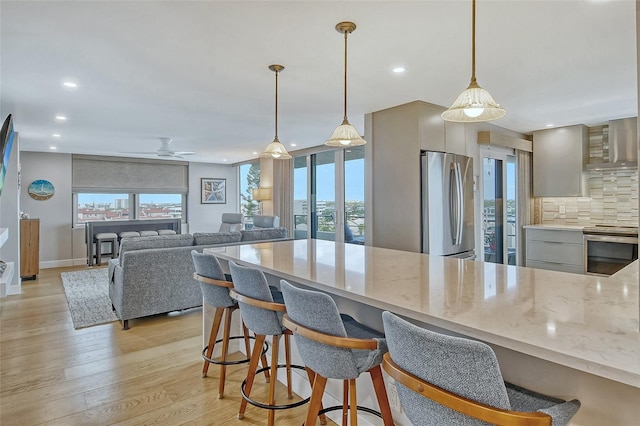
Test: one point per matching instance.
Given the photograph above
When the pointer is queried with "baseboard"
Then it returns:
(62, 263)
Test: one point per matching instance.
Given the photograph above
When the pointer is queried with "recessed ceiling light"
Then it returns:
(549, 125)
(399, 70)
(294, 144)
(224, 159)
(53, 148)
(55, 135)
(70, 84)
(61, 117)
(255, 152)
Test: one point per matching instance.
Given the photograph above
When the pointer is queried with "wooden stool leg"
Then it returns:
(381, 395)
(345, 402)
(275, 346)
(287, 354)
(312, 377)
(245, 332)
(251, 372)
(354, 402)
(217, 318)
(319, 384)
(225, 350)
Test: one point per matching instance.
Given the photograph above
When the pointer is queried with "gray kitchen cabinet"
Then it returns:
(555, 249)
(559, 157)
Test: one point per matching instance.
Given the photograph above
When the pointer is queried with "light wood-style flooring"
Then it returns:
(52, 374)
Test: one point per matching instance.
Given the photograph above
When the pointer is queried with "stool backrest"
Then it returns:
(318, 311)
(462, 366)
(208, 266)
(252, 283)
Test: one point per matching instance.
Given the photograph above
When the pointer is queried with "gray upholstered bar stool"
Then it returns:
(451, 380)
(148, 233)
(215, 292)
(106, 237)
(335, 346)
(261, 308)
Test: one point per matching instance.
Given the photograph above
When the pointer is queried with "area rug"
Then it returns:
(88, 297)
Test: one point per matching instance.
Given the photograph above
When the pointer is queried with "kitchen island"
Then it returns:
(563, 334)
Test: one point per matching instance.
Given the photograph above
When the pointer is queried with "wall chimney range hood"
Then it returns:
(623, 146)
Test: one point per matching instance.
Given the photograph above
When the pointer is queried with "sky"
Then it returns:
(354, 189)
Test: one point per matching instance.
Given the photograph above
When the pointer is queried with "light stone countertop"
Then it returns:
(556, 227)
(588, 323)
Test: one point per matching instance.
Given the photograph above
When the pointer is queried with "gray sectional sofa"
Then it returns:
(153, 275)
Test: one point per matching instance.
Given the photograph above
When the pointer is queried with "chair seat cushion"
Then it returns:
(106, 235)
(129, 234)
(365, 359)
(526, 400)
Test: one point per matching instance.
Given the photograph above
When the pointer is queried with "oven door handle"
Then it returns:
(611, 238)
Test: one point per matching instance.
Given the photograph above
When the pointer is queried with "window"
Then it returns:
(328, 195)
(90, 207)
(249, 180)
(159, 206)
(100, 206)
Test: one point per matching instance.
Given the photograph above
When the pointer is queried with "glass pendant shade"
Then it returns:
(345, 135)
(473, 105)
(276, 150)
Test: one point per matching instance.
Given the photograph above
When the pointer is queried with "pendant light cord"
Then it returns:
(276, 137)
(473, 41)
(345, 77)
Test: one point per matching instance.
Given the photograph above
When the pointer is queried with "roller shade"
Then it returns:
(132, 175)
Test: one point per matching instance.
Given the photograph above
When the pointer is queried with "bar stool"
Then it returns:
(215, 292)
(452, 380)
(106, 237)
(148, 233)
(335, 346)
(261, 308)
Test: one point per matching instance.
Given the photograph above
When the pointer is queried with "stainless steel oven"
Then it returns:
(609, 249)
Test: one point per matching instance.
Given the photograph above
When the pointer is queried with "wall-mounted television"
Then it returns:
(6, 141)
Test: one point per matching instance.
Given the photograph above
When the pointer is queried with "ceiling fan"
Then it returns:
(165, 150)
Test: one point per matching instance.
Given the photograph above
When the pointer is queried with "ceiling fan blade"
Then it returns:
(139, 152)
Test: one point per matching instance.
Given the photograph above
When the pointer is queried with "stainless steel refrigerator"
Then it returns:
(447, 204)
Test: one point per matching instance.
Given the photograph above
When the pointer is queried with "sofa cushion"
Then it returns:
(208, 238)
(157, 241)
(264, 234)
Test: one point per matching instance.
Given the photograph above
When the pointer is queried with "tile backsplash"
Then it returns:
(613, 201)
(613, 194)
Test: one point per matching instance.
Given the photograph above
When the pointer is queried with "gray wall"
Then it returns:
(206, 217)
(62, 245)
(54, 213)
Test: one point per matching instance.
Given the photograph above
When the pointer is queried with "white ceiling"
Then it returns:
(197, 71)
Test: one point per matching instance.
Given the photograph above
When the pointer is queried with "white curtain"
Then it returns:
(283, 193)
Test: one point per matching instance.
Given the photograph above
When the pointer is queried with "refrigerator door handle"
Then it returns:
(460, 204)
(456, 203)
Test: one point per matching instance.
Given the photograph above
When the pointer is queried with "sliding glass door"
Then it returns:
(499, 206)
(328, 195)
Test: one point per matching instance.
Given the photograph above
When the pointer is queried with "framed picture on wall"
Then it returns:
(213, 191)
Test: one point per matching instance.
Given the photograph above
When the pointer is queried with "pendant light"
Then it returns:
(345, 134)
(475, 104)
(276, 149)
